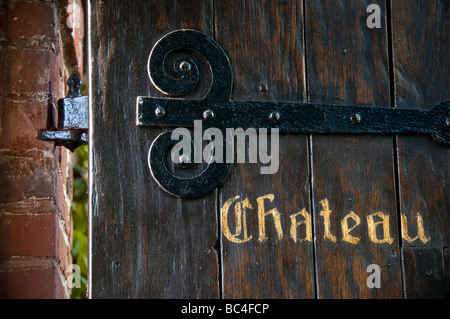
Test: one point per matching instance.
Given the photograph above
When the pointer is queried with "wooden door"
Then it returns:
(339, 206)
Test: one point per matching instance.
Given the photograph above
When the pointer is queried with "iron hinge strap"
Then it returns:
(296, 117)
(173, 71)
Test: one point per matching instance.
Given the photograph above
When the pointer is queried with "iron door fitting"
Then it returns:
(73, 118)
(178, 76)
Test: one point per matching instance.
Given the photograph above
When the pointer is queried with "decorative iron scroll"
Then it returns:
(179, 75)
(177, 79)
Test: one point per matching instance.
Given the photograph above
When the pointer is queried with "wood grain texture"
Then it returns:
(447, 271)
(424, 275)
(264, 41)
(348, 63)
(145, 243)
(148, 244)
(421, 48)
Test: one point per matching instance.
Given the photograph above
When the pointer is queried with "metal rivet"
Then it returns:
(183, 161)
(355, 118)
(160, 112)
(263, 87)
(274, 116)
(447, 121)
(185, 66)
(208, 115)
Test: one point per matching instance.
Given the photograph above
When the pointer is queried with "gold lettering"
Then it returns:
(241, 220)
(306, 222)
(326, 220)
(372, 226)
(261, 218)
(346, 231)
(302, 218)
(240, 211)
(420, 231)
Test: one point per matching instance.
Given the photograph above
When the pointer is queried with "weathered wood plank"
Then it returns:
(353, 176)
(422, 77)
(145, 243)
(423, 271)
(447, 271)
(264, 40)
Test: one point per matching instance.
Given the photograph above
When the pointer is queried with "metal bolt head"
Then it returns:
(159, 112)
(208, 115)
(263, 87)
(184, 161)
(185, 66)
(355, 118)
(274, 116)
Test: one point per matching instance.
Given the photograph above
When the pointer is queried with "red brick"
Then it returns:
(63, 186)
(20, 123)
(28, 235)
(63, 207)
(35, 221)
(26, 164)
(64, 256)
(24, 20)
(35, 283)
(63, 197)
(27, 206)
(24, 179)
(72, 32)
(78, 34)
(29, 72)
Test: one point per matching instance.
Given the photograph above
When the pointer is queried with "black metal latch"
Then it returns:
(178, 75)
(73, 118)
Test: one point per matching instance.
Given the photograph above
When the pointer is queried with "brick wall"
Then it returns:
(38, 51)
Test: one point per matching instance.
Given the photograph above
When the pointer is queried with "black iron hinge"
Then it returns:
(72, 117)
(178, 75)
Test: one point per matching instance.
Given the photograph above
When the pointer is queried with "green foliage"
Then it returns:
(79, 211)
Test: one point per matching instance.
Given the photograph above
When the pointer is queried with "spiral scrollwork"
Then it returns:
(178, 186)
(176, 77)
(184, 73)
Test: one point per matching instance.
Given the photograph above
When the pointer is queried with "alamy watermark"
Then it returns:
(223, 149)
(74, 279)
(374, 19)
(374, 279)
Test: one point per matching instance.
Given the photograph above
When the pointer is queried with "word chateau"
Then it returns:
(350, 228)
